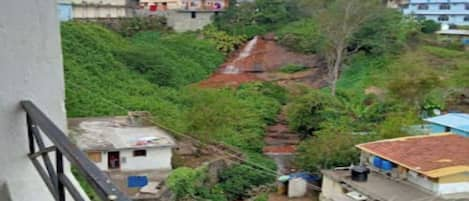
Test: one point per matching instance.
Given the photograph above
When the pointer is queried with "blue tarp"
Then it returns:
(137, 181)
(310, 178)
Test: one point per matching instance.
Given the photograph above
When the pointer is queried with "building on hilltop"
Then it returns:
(443, 11)
(402, 169)
(395, 3)
(96, 9)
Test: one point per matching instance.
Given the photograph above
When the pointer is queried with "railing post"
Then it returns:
(60, 172)
(30, 134)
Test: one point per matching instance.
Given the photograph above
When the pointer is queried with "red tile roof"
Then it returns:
(433, 155)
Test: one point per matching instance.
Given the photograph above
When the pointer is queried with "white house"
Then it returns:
(117, 143)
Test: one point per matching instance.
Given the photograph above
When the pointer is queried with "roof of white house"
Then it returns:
(458, 121)
(116, 133)
(459, 32)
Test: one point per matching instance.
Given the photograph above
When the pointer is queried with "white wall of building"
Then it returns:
(450, 188)
(423, 182)
(156, 159)
(108, 2)
(30, 68)
(79, 11)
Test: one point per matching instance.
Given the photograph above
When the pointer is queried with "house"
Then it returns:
(121, 143)
(395, 3)
(96, 9)
(446, 12)
(193, 15)
(455, 35)
(408, 168)
(457, 123)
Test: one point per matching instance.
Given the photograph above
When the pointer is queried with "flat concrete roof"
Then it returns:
(381, 188)
(115, 133)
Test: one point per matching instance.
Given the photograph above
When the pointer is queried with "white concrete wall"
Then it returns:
(450, 188)
(330, 188)
(30, 68)
(156, 159)
(423, 182)
(111, 2)
(98, 12)
(183, 21)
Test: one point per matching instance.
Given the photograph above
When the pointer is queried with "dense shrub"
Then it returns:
(301, 36)
(254, 18)
(225, 42)
(333, 146)
(306, 113)
(164, 58)
(235, 181)
(430, 26)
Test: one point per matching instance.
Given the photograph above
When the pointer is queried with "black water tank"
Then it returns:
(360, 173)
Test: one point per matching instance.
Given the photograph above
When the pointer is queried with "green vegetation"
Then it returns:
(225, 42)
(292, 68)
(301, 36)
(430, 26)
(107, 74)
(254, 18)
(234, 182)
(390, 73)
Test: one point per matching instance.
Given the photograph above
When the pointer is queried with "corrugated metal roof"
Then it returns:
(458, 121)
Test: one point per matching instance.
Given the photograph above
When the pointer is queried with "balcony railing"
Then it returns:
(53, 174)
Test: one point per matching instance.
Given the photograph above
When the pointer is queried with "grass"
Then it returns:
(292, 68)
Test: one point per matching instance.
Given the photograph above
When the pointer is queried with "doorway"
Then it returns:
(113, 160)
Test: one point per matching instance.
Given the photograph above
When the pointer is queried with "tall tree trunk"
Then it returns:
(336, 69)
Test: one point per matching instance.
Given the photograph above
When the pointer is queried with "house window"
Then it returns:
(467, 6)
(94, 156)
(193, 15)
(138, 153)
(420, 17)
(443, 18)
(445, 6)
(422, 6)
(447, 129)
(466, 18)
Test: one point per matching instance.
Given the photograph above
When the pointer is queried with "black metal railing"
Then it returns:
(53, 174)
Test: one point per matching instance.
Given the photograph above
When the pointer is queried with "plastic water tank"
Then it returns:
(377, 162)
(386, 165)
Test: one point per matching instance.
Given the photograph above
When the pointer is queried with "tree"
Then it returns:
(332, 147)
(412, 78)
(338, 22)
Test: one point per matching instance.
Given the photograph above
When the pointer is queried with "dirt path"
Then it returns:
(281, 144)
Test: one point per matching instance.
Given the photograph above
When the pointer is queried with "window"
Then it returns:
(422, 6)
(443, 18)
(447, 129)
(193, 15)
(420, 17)
(445, 6)
(138, 153)
(467, 6)
(466, 18)
(94, 156)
